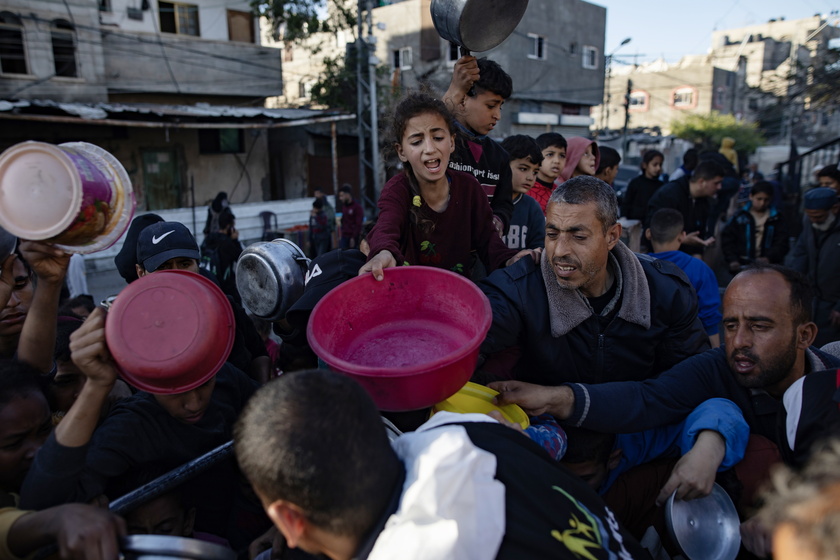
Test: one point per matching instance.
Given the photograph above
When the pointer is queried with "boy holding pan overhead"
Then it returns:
(475, 96)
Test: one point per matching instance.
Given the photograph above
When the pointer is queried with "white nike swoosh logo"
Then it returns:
(156, 240)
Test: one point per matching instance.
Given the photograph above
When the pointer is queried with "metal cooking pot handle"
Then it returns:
(300, 255)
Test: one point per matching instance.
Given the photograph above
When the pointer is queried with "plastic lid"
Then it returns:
(170, 331)
(40, 191)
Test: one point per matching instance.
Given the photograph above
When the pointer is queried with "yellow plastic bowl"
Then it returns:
(473, 397)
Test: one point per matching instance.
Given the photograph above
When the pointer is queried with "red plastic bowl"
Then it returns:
(170, 331)
(411, 340)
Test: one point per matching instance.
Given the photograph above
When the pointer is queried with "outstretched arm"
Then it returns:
(81, 532)
(37, 338)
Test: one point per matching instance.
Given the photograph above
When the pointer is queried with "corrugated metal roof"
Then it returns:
(199, 113)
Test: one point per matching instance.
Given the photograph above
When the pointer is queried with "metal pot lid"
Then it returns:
(477, 25)
(705, 528)
(270, 277)
(164, 546)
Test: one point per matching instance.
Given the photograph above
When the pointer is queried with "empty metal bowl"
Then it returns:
(705, 528)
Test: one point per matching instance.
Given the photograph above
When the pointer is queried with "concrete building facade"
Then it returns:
(165, 86)
(557, 76)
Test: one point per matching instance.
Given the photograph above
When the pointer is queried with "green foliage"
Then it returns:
(336, 85)
(293, 20)
(707, 131)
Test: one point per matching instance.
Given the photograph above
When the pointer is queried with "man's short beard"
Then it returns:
(773, 369)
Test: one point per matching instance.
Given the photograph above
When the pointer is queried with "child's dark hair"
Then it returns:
(522, 146)
(492, 78)
(226, 218)
(83, 300)
(550, 139)
(587, 445)
(68, 322)
(666, 224)
(648, 157)
(765, 187)
(829, 171)
(318, 203)
(18, 379)
(414, 105)
(609, 158)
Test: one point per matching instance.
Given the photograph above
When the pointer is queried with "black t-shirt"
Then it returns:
(550, 513)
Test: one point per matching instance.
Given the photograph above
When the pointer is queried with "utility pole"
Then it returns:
(366, 107)
(626, 119)
(605, 114)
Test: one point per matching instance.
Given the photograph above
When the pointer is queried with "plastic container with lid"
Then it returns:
(76, 195)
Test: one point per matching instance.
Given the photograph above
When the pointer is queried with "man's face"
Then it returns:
(820, 216)
(760, 201)
(707, 187)
(66, 386)
(25, 423)
(176, 263)
(16, 308)
(830, 183)
(482, 111)
(164, 515)
(578, 247)
(188, 407)
(523, 173)
(344, 197)
(553, 163)
(762, 342)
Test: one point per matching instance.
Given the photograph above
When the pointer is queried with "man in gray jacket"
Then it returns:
(817, 255)
(591, 310)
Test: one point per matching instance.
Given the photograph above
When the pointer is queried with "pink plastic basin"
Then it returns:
(411, 340)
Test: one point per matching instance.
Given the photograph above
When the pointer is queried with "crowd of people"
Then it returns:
(640, 381)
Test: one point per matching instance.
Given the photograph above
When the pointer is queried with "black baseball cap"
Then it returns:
(163, 241)
(325, 273)
(126, 259)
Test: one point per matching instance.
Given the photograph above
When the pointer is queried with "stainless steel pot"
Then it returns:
(477, 25)
(164, 547)
(270, 276)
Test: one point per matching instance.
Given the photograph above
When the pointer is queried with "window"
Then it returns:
(590, 58)
(536, 46)
(684, 98)
(104, 5)
(12, 51)
(240, 26)
(454, 53)
(720, 97)
(402, 58)
(304, 90)
(220, 141)
(639, 101)
(64, 48)
(179, 18)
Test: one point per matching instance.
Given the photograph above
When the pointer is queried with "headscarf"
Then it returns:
(576, 146)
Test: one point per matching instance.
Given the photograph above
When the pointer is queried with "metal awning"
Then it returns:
(149, 115)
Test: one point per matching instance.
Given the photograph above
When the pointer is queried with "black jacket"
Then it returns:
(635, 407)
(677, 195)
(738, 235)
(492, 170)
(655, 326)
(137, 432)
